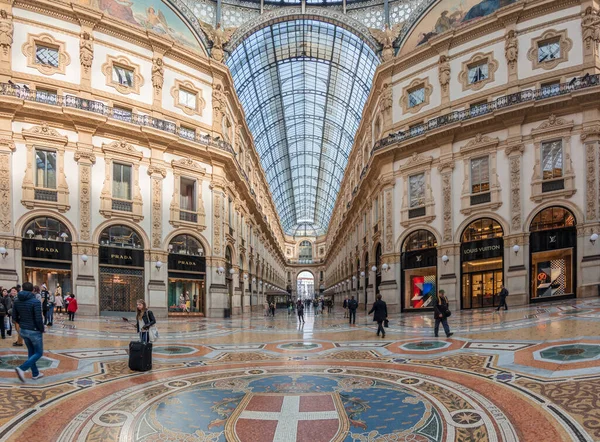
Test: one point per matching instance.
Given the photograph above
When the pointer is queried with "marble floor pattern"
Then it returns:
(527, 374)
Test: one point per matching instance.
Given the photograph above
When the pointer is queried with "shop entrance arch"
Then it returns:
(305, 285)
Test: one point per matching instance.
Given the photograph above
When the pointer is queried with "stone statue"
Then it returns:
(386, 97)
(86, 50)
(511, 48)
(219, 37)
(444, 72)
(386, 38)
(158, 73)
(6, 31)
(219, 102)
(590, 24)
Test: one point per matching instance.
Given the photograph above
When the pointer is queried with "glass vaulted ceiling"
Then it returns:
(303, 85)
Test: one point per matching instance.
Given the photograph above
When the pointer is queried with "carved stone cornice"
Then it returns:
(44, 133)
(446, 165)
(479, 143)
(514, 148)
(122, 148)
(157, 172)
(85, 156)
(551, 125)
(590, 133)
(7, 145)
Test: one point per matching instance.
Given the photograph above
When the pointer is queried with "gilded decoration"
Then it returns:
(188, 168)
(6, 32)
(85, 159)
(123, 62)
(565, 44)
(189, 87)
(46, 40)
(416, 84)
(590, 28)
(477, 59)
(386, 38)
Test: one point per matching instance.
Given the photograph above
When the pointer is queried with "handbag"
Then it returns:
(386, 323)
(447, 313)
(153, 331)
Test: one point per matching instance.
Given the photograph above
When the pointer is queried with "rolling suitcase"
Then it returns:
(140, 356)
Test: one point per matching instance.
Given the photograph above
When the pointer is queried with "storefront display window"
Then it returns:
(419, 270)
(187, 272)
(553, 243)
(482, 263)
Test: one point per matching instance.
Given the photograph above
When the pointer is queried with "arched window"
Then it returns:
(305, 250)
(483, 228)
(186, 245)
(46, 228)
(419, 240)
(552, 218)
(121, 236)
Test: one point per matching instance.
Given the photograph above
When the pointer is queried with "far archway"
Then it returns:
(305, 285)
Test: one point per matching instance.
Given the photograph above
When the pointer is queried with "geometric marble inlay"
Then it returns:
(571, 353)
(425, 345)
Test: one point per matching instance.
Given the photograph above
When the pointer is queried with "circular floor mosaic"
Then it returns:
(312, 404)
(9, 362)
(173, 350)
(571, 353)
(425, 345)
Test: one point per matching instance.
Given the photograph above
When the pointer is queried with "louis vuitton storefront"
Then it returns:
(121, 260)
(47, 255)
(419, 270)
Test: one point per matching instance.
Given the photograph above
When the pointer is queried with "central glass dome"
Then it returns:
(303, 85)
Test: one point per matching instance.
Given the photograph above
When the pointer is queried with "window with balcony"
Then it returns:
(187, 200)
(122, 114)
(47, 96)
(121, 187)
(552, 160)
(45, 176)
(480, 180)
(550, 89)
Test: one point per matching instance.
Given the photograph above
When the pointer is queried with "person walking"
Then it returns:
(51, 300)
(352, 305)
(300, 309)
(345, 305)
(379, 311)
(3, 312)
(72, 308)
(273, 308)
(58, 300)
(503, 294)
(27, 312)
(267, 308)
(144, 320)
(441, 312)
(13, 293)
(7, 301)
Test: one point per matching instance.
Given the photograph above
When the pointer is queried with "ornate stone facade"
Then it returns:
(85, 159)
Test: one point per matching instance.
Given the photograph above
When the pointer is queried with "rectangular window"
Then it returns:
(478, 72)
(45, 169)
(416, 97)
(480, 175)
(552, 160)
(187, 98)
(46, 55)
(187, 194)
(549, 50)
(121, 181)
(416, 190)
(122, 76)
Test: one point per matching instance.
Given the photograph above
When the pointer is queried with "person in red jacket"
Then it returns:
(72, 308)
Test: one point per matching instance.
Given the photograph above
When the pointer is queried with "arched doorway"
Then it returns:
(187, 275)
(229, 281)
(378, 265)
(305, 285)
(553, 253)
(419, 270)
(121, 269)
(482, 263)
(47, 254)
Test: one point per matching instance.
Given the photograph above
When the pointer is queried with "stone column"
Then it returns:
(447, 271)
(217, 292)
(8, 263)
(157, 286)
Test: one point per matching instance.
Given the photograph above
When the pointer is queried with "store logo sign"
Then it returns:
(482, 249)
(419, 258)
(186, 263)
(47, 249)
(552, 239)
(114, 256)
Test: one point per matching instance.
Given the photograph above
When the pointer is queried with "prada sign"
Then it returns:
(117, 256)
(41, 249)
(484, 249)
(187, 263)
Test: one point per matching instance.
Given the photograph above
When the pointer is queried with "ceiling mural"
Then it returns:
(447, 15)
(153, 15)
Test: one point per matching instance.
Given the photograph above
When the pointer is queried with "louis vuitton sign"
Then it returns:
(484, 249)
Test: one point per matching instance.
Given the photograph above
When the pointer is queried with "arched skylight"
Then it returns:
(303, 85)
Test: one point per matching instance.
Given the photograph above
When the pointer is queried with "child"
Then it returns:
(72, 308)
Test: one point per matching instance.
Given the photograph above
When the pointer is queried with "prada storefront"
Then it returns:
(419, 270)
(121, 258)
(553, 248)
(482, 263)
(47, 255)
(187, 275)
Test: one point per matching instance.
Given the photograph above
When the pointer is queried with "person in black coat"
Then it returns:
(379, 311)
(503, 295)
(144, 320)
(441, 313)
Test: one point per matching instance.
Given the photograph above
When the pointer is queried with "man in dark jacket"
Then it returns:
(440, 313)
(379, 311)
(503, 295)
(27, 312)
(352, 306)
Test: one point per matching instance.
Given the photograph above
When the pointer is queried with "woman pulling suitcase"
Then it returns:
(140, 352)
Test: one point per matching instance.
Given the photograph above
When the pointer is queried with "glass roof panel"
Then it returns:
(303, 85)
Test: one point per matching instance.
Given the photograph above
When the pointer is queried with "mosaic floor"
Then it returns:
(528, 374)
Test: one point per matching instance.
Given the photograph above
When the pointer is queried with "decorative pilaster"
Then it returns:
(511, 52)
(444, 77)
(590, 138)
(445, 168)
(389, 225)
(86, 57)
(514, 153)
(217, 220)
(157, 174)
(7, 147)
(85, 159)
(6, 36)
(158, 79)
(590, 31)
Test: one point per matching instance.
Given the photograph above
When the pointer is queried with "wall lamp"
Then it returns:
(3, 252)
(445, 259)
(220, 270)
(374, 268)
(84, 258)
(594, 238)
(516, 249)
(158, 265)
(385, 267)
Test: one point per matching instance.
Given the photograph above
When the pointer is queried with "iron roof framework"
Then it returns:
(303, 85)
